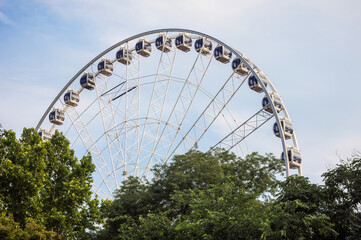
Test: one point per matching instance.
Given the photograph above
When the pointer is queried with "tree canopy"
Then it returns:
(43, 184)
(45, 193)
(343, 192)
(216, 195)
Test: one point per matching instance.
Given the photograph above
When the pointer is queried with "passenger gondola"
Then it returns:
(57, 117)
(286, 127)
(163, 43)
(45, 134)
(222, 54)
(105, 67)
(255, 85)
(87, 81)
(183, 42)
(124, 56)
(276, 102)
(71, 98)
(143, 47)
(239, 67)
(294, 157)
(203, 45)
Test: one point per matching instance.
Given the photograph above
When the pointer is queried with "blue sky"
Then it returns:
(310, 50)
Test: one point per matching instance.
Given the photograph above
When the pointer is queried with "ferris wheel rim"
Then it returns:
(82, 70)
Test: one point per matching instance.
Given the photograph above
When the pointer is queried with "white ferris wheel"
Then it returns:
(161, 93)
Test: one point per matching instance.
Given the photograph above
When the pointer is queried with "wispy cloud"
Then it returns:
(5, 19)
(113, 20)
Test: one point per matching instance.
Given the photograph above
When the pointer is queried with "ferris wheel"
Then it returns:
(161, 93)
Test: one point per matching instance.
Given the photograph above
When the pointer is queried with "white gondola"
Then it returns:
(183, 42)
(286, 126)
(294, 157)
(105, 67)
(57, 117)
(239, 67)
(163, 43)
(124, 56)
(44, 134)
(222, 54)
(276, 102)
(87, 81)
(71, 98)
(254, 84)
(203, 45)
(143, 47)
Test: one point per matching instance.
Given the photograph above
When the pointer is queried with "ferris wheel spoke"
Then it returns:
(214, 109)
(156, 107)
(100, 192)
(229, 124)
(217, 105)
(230, 121)
(184, 101)
(132, 111)
(244, 130)
(227, 111)
(109, 121)
(121, 127)
(88, 143)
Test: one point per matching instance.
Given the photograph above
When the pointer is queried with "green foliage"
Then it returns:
(221, 212)
(211, 195)
(66, 194)
(225, 211)
(298, 212)
(22, 172)
(45, 182)
(256, 173)
(216, 195)
(45, 192)
(9, 229)
(151, 227)
(132, 199)
(193, 170)
(343, 189)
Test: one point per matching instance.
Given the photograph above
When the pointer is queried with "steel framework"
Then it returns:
(146, 111)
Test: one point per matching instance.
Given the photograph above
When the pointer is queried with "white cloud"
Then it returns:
(111, 21)
(4, 19)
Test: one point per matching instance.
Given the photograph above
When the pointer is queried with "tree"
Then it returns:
(192, 170)
(11, 230)
(44, 181)
(224, 211)
(196, 195)
(197, 170)
(131, 200)
(216, 195)
(221, 212)
(299, 212)
(255, 173)
(22, 174)
(343, 184)
(66, 194)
